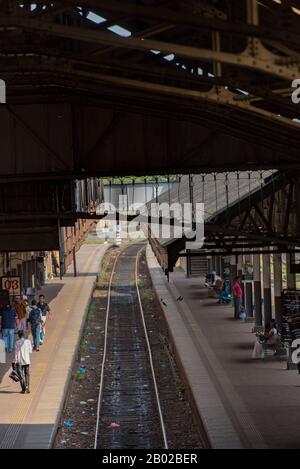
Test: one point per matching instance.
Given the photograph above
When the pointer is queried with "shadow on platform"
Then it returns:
(25, 436)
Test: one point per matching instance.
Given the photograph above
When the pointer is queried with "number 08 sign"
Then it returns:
(12, 284)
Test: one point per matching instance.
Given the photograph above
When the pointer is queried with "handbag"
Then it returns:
(14, 376)
(17, 372)
(243, 315)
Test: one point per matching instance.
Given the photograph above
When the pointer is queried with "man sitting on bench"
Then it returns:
(267, 339)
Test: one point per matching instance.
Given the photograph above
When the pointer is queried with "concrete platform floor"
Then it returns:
(30, 420)
(264, 389)
(244, 403)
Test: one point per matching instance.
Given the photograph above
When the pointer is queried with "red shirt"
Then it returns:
(237, 291)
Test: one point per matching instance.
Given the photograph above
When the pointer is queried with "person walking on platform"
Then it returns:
(20, 307)
(2, 352)
(8, 323)
(46, 312)
(237, 293)
(35, 320)
(23, 349)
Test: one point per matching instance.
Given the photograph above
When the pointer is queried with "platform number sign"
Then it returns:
(12, 285)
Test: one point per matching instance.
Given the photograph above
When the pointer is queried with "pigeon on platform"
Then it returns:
(180, 298)
(163, 302)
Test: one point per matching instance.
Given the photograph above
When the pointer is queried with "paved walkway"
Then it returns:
(30, 420)
(244, 403)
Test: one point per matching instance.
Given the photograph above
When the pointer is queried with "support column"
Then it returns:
(248, 299)
(62, 250)
(33, 272)
(267, 288)
(233, 271)
(29, 273)
(277, 287)
(240, 266)
(221, 263)
(214, 263)
(19, 273)
(24, 276)
(240, 274)
(74, 262)
(290, 278)
(217, 264)
(249, 288)
(188, 265)
(257, 290)
(209, 265)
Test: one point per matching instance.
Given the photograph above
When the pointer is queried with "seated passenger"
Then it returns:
(224, 296)
(213, 277)
(218, 284)
(265, 339)
(272, 334)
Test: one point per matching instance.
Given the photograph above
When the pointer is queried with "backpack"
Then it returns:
(35, 316)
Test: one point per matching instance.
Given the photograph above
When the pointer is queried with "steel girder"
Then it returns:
(226, 65)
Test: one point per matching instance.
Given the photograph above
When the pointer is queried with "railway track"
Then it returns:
(129, 413)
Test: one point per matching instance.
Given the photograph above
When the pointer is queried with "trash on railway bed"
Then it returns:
(92, 348)
(80, 373)
(114, 425)
(69, 423)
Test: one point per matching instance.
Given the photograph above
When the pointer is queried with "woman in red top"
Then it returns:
(237, 293)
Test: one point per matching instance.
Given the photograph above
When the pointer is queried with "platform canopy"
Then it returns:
(116, 87)
(244, 212)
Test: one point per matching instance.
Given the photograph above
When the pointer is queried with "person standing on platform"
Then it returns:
(35, 320)
(27, 309)
(8, 323)
(55, 264)
(237, 293)
(46, 312)
(26, 305)
(23, 349)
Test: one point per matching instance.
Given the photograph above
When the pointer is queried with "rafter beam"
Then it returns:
(262, 133)
(145, 33)
(226, 99)
(165, 71)
(183, 17)
(99, 37)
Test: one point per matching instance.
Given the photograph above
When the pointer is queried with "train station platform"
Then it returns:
(30, 420)
(243, 403)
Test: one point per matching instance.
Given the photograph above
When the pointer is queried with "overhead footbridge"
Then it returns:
(245, 213)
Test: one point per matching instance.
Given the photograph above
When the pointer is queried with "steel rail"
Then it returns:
(101, 386)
